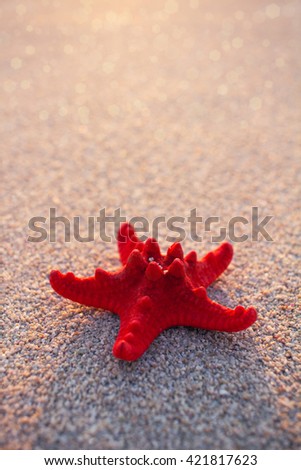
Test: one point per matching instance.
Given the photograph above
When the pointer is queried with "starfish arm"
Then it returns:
(127, 242)
(202, 312)
(212, 265)
(96, 291)
(138, 329)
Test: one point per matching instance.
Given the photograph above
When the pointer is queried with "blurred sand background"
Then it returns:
(155, 107)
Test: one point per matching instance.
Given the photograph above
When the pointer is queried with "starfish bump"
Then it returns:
(152, 292)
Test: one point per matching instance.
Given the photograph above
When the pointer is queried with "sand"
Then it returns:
(156, 108)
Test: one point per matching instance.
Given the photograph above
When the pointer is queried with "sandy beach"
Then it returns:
(155, 108)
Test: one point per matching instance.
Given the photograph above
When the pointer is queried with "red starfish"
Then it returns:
(152, 292)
